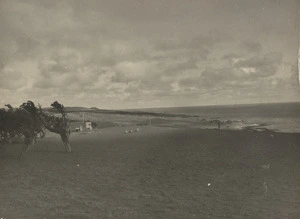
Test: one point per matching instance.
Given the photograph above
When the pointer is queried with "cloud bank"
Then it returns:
(148, 53)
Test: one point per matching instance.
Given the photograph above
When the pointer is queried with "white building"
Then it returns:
(88, 125)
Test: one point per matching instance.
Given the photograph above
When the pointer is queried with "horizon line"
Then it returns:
(210, 105)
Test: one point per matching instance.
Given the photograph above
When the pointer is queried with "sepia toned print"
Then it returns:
(149, 109)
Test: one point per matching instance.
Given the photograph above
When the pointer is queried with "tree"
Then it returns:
(59, 125)
(17, 122)
(30, 121)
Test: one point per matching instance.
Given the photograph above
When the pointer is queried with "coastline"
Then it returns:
(281, 117)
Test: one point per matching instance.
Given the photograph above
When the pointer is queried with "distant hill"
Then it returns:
(94, 108)
(120, 112)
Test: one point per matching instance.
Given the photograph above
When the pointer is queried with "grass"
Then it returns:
(155, 173)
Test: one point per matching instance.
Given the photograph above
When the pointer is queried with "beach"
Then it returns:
(157, 172)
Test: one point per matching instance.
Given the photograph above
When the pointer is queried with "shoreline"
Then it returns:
(109, 118)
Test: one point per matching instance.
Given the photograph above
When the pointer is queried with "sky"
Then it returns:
(118, 54)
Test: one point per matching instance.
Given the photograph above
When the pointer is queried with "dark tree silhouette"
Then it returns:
(30, 121)
(17, 122)
(59, 125)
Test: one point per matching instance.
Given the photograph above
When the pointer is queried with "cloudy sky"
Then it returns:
(148, 53)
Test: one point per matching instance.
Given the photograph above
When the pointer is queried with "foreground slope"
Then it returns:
(155, 173)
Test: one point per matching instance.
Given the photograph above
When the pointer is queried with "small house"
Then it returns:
(79, 129)
(88, 125)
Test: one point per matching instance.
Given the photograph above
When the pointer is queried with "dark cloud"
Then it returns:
(252, 47)
(201, 45)
(181, 67)
(244, 74)
(65, 67)
(230, 56)
(261, 67)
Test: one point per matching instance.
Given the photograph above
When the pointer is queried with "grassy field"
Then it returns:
(158, 172)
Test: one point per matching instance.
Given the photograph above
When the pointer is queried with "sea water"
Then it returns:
(282, 117)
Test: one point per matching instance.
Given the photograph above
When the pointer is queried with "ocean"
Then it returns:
(281, 117)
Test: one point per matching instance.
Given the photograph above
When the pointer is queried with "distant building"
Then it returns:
(79, 129)
(88, 125)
